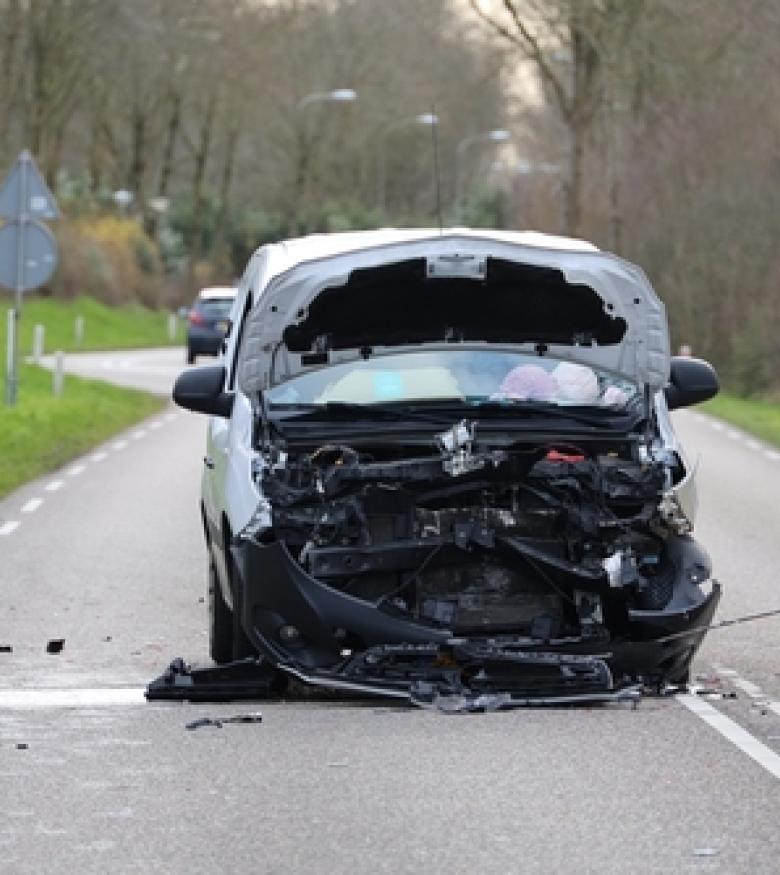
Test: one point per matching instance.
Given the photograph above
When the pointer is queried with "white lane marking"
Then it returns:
(119, 445)
(718, 426)
(733, 732)
(772, 455)
(32, 505)
(54, 486)
(75, 470)
(139, 434)
(79, 698)
(734, 435)
(169, 417)
(9, 527)
(753, 445)
(155, 424)
(98, 457)
(753, 690)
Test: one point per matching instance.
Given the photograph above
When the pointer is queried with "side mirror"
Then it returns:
(691, 381)
(201, 390)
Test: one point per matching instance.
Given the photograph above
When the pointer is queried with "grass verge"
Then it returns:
(104, 327)
(758, 417)
(43, 432)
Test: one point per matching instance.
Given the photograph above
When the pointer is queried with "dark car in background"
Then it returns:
(209, 321)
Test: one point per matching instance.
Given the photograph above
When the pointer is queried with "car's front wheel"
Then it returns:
(242, 646)
(220, 620)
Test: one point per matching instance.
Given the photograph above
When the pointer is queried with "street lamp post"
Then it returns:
(337, 95)
(497, 135)
(427, 119)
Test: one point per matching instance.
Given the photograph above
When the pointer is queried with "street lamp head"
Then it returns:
(123, 197)
(342, 95)
(427, 118)
(499, 135)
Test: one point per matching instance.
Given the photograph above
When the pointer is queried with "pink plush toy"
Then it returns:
(576, 384)
(614, 396)
(527, 382)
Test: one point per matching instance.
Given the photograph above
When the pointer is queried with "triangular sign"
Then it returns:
(25, 181)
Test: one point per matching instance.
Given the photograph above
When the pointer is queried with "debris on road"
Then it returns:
(243, 679)
(22, 745)
(705, 852)
(218, 722)
(55, 645)
(6, 648)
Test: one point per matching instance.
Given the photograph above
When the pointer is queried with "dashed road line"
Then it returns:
(734, 435)
(156, 424)
(772, 455)
(8, 527)
(76, 470)
(98, 457)
(119, 445)
(137, 435)
(54, 485)
(718, 426)
(752, 690)
(753, 445)
(169, 417)
(32, 505)
(732, 732)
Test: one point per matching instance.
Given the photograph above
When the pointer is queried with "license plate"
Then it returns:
(223, 327)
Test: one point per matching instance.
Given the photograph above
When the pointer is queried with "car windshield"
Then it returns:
(215, 307)
(481, 376)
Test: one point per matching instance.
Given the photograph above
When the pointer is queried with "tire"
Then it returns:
(220, 620)
(242, 646)
(190, 357)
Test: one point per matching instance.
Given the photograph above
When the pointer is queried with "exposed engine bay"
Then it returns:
(544, 542)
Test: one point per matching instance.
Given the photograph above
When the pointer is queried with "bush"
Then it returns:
(109, 258)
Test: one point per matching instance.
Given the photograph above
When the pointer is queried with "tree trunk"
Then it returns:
(137, 173)
(198, 178)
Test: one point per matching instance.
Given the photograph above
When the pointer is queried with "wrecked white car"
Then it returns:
(443, 464)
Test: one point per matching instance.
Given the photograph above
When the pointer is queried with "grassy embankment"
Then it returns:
(758, 417)
(42, 431)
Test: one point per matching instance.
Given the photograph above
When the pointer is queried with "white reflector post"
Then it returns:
(58, 376)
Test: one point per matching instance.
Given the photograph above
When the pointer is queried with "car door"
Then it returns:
(218, 430)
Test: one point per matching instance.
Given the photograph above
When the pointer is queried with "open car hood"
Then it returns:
(520, 292)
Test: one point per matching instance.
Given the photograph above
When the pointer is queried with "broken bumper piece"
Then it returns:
(244, 679)
(466, 675)
(310, 630)
(455, 677)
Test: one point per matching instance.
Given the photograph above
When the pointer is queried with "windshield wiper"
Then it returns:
(596, 416)
(382, 411)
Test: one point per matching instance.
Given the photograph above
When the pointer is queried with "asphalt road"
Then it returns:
(107, 555)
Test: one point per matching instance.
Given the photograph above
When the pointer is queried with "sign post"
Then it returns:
(28, 251)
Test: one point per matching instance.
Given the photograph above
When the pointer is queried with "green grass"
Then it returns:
(758, 417)
(43, 432)
(104, 327)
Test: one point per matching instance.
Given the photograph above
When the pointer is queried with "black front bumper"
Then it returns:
(323, 636)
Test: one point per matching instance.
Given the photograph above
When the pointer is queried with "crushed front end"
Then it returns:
(525, 567)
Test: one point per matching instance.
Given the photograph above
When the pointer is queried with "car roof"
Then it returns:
(220, 292)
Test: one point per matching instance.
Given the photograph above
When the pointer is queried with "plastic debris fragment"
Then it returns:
(55, 645)
(219, 722)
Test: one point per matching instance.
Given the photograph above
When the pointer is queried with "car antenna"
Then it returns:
(436, 172)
